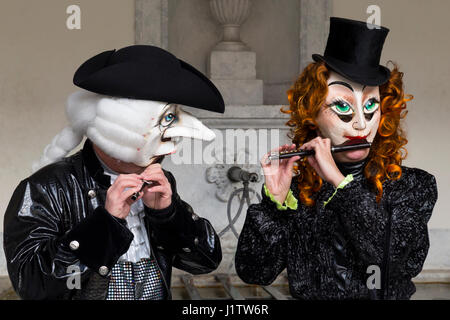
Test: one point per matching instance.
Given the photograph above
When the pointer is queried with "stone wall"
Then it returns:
(283, 34)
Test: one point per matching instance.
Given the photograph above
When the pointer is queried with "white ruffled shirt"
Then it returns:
(140, 246)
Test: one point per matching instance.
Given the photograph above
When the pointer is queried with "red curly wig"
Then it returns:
(306, 97)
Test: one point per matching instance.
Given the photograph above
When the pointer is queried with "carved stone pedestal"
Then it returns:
(231, 65)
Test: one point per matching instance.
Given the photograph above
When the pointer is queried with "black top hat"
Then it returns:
(148, 73)
(354, 50)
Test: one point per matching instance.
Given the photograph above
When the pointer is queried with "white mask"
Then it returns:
(351, 112)
(134, 131)
(138, 131)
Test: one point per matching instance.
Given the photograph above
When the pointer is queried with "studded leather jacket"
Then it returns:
(351, 248)
(56, 228)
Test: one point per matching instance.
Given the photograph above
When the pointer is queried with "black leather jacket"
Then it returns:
(64, 202)
(327, 250)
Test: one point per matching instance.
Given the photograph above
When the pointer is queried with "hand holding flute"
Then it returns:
(151, 186)
(278, 177)
(145, 183)
(319, 152)
(118, 197)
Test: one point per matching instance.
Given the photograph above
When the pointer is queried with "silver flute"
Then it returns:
(146, 183)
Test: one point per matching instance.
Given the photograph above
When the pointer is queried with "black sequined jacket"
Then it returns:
(56, 224)
(333, 252)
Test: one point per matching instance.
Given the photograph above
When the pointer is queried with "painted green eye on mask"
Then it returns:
(341, 107)
(371, 105)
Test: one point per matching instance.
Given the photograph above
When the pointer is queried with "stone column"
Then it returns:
(151, 22)
(314, 27)
(231, 65)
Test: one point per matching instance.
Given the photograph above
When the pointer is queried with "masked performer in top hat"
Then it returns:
(76, 216)
(350, 225)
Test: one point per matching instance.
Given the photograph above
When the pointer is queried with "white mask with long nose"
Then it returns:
(351, 113)
(134, 131)
(141, 131)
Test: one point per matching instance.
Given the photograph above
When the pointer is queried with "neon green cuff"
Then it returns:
(290, 202)
(346, 181)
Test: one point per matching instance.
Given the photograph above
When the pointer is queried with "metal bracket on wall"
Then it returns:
(218, 174)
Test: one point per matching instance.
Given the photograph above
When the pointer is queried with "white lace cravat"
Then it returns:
(140, 246)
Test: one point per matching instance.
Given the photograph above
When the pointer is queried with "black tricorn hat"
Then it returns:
(354, 50)
(148, 73)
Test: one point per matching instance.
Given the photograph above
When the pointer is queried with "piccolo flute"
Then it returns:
(305, 153)
(146, 183)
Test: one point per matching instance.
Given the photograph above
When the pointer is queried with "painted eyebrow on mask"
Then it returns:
(166, 108)
(345, 84)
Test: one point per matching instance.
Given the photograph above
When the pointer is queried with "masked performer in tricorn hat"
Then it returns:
(349, 225)
(93, 212)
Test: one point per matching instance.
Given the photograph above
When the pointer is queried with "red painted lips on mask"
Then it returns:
(354, 140)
